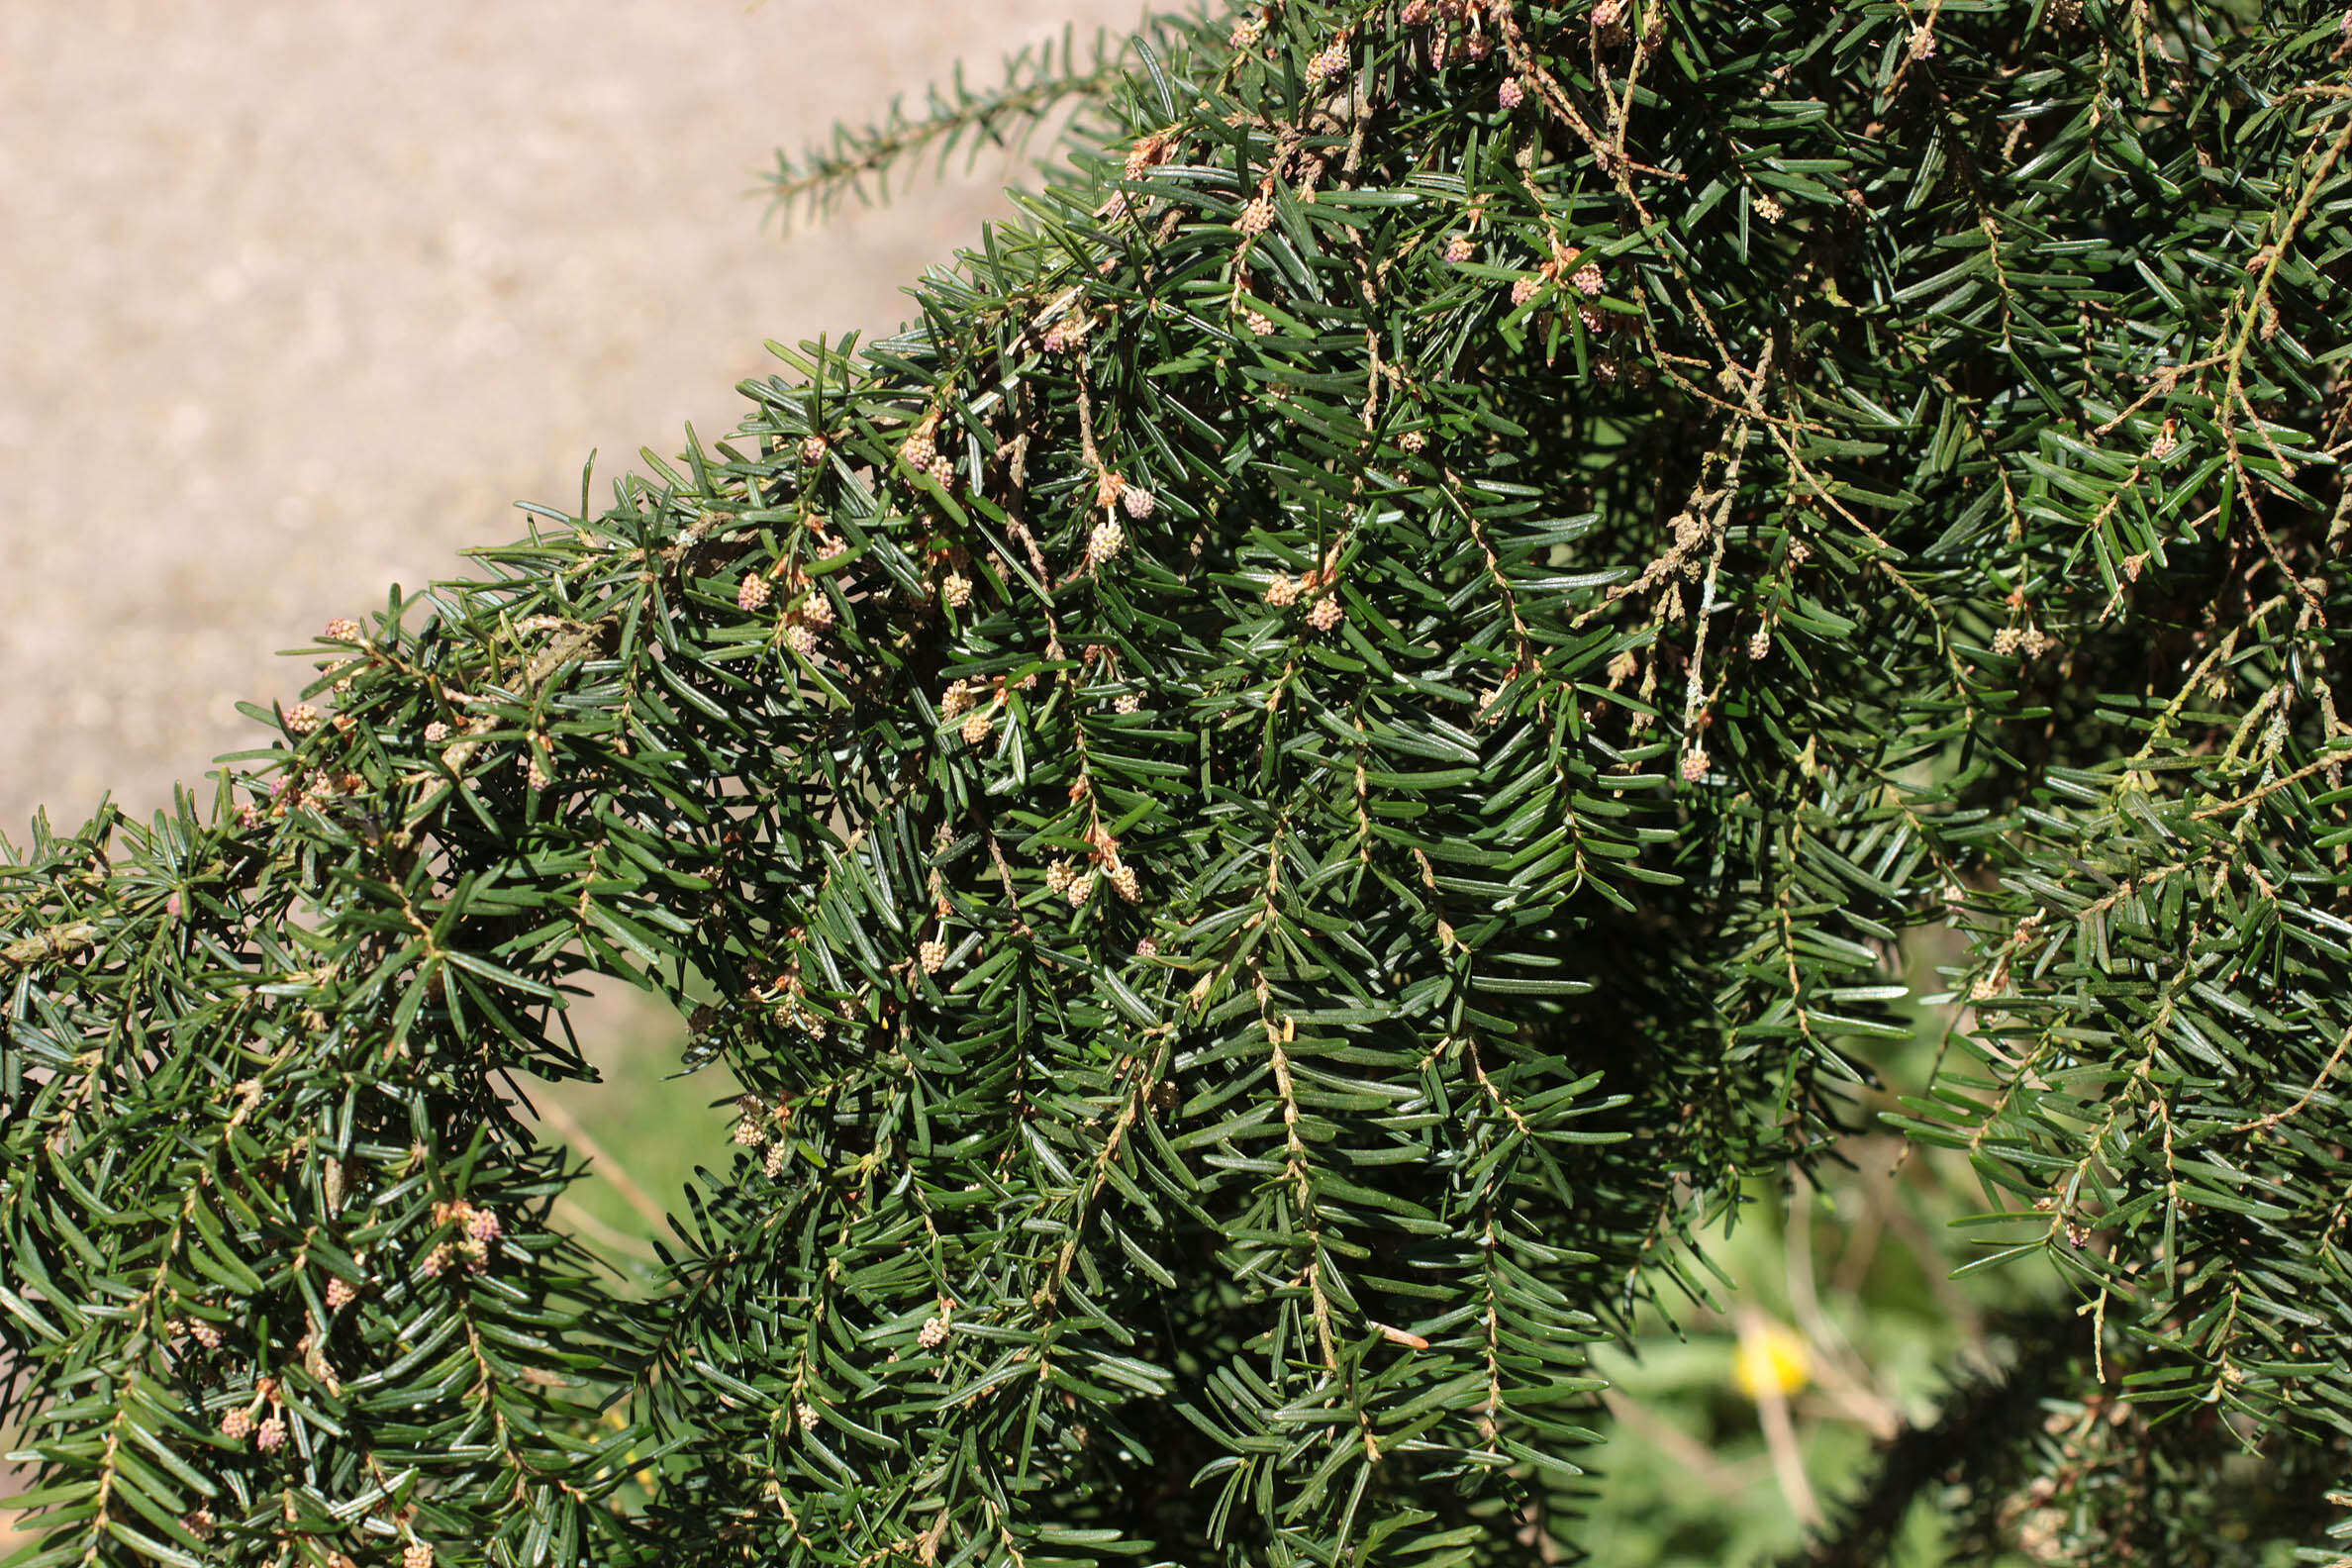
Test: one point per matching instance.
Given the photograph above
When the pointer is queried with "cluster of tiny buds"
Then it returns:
(1259, 323)
(1256, 218)
(1588, 280)
(1138, 502)
(1081, 888)
(976, 727)
(933, 955)
(813, 450)
(1325, 614)
(1124, 880)
(800, 638)
(1760, 643)
(271, 1434)
(932, 1333)
(956, 590)
(1510, 94)
(1694, 765)
(1458, 248)
(1145, 948)
(1413, 441)
(917, 448)
(759, 1122)
(435, 733)
(203, 1332)
(1247, 32)
(416, 1554)
(341, 1292)
(1127, 702)
(1105, 541)
(237, 1425)
(481, 1227)
(1525, 289)
(1149, 153)
(301, 718)
(2166, 443)
(753, 596)
(1768, 207)
(1065, 335)
(2031, 642)
(1922, 42)
(1327, 62)
(343, 629)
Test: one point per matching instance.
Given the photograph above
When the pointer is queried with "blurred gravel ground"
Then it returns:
(296, 299)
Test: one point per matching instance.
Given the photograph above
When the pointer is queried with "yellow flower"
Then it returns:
(1771, 1357)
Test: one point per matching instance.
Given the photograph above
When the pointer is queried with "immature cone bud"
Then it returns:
(1139, 502)
(1127, 701)
(1256, 218)
(806, 1414)
(1104, 542)
(942, 470)
(339, 1294)
(932, 1334)
(1769, 209)
(918, 449)
(302, 718)
(1415, 13)
(206, 1334)
(237, 1425)
(1525, 289)
(976, 727)
(1413, 441)
(2165, 444)
(272, 1434)
(754, 594)
(1459, 249)
(1760, 643)
(956, 590)
(813, 450)
(802, 640)
(1325, 614)
(932, 954)
(774, 1163)
(1588, 280)
(1326, 63)
(341, 629)
(1694, 765)
(1510, 94)
(1081, 886)
(1145, 948)
(435, 733)
(416, 1555)
(484, 1227)
(1259, 323)
(1282, 590)
(1058, 876)
(1124, 880)
(748, 1134)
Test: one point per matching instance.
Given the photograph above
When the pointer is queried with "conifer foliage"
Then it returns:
(1277, 803)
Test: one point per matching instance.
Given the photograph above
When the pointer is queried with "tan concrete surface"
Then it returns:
(297, 298)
